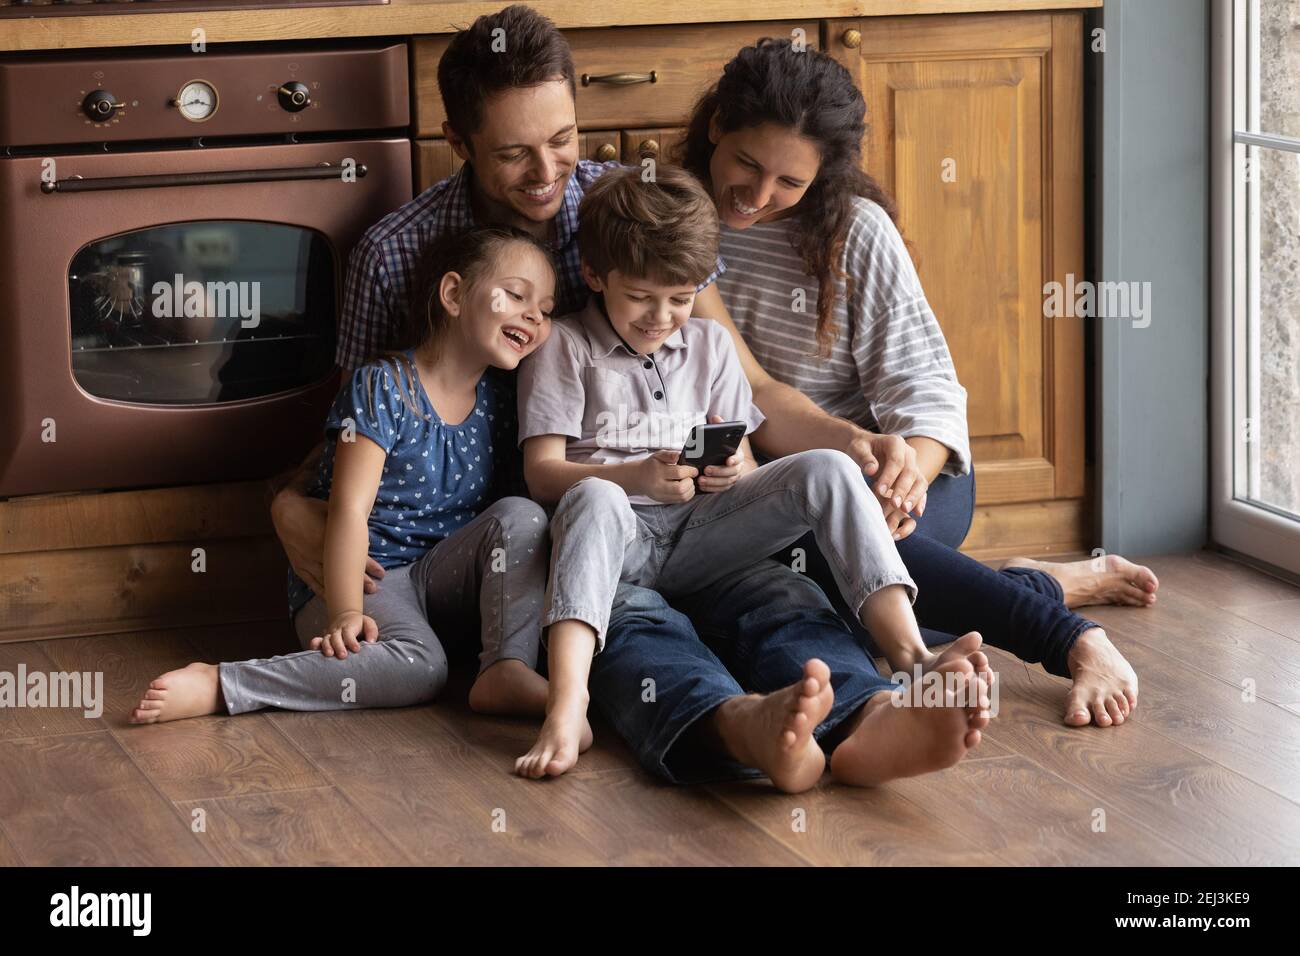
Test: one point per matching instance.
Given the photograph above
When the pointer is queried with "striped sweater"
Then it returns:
(889, 369)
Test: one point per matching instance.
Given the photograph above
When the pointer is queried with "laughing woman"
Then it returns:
(823, 291)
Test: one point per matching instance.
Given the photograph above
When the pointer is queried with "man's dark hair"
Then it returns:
(475, 66)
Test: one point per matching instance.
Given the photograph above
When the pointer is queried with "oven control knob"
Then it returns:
(293, 96)
(100, 105)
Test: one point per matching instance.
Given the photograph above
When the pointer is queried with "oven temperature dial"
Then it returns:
(294, 96)
(101, 105)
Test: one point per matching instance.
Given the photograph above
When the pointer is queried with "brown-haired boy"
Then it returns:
(605, 409)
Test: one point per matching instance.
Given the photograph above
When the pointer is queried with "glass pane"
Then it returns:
(1274, 59)
(202, 312)
(1272, 341)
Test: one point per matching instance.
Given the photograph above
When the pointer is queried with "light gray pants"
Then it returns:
(489, 576)
(598, 538)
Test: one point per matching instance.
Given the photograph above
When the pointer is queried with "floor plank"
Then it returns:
(42, 721)
(1188, 800)
(1023, 815)
(315, 827)
(78, 800)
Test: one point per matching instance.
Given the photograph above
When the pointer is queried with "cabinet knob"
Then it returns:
(648, 147)
(851, 39)
(605, 152)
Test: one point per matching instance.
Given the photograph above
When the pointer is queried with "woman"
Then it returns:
(822, 289)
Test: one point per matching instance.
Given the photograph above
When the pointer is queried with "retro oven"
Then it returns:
(174, 233)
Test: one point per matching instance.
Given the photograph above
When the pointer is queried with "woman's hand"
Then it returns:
(300, 525)
(342, 634)
(896, 479)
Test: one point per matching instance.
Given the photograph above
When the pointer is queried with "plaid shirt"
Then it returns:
(383, 265)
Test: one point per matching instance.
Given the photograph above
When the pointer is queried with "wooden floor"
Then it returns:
(1206, 773)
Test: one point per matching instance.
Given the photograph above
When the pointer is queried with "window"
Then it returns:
(1255, 178)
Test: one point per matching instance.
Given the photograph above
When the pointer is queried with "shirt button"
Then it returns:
(649, 364)
(659, 394)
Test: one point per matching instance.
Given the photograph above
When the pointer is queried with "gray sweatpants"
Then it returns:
(598, 538)
(489, 577)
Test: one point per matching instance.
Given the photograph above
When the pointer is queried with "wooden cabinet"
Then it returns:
(435, 160)
(626, 76)
(975, 127)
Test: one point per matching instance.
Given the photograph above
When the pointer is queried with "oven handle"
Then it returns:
(78, 185)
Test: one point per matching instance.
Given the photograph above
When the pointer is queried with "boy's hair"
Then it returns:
(481, 62)
(665, 230)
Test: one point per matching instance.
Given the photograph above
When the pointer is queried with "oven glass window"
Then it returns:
(201, 313)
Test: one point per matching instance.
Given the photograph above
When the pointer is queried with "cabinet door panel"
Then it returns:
(971, 120)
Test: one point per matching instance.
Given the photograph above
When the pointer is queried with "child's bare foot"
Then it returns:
(565, 734)
(967, 647)
(1106, 579)
(509, 687)
(1105, 688)
(192, 691)
(773, 732)
(892, 741)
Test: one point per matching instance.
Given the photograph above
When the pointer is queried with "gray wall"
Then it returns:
(1148, 134)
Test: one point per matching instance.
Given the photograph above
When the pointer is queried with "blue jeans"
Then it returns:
(656, 677)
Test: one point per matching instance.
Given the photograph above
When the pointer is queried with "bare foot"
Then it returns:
(967, 647)
(192, 691)
(509, 687)
(560, 741)
(1105, 688)
(1106, 579)
(773, 732)
(898, 736)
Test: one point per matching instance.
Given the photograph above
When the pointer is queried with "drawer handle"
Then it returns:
(276, 175)
(648, 147)
(605, 152)
(620, 79)
(851, 39)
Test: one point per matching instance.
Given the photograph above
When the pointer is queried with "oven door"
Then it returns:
(168, 317)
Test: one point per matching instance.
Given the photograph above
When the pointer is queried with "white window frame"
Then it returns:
(1235, 523)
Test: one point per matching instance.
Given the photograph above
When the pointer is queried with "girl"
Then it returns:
(777, 142)
(421, 473)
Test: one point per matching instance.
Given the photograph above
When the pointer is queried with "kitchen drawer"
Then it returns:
(683, 59)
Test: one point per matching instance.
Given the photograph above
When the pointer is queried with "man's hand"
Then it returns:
(300, 525)
(342, 635)
(661, 478)
(896, 479)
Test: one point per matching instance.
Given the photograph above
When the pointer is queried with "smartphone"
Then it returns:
(712, 444)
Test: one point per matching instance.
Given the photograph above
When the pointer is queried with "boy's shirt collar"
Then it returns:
(605, 339)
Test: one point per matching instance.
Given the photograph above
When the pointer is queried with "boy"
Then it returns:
(605, 407)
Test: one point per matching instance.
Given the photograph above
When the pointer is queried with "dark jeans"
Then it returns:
(656, 676)
(756, 630)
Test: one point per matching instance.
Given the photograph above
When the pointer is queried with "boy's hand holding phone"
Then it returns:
(342, 635)
(660, 477)
(722, 477)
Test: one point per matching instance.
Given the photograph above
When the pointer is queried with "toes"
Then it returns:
(154, 694)
(1113, 709)
(1099, 715)
(1076, 711)
(818, 671)
(1134, 596)
(972, 739)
